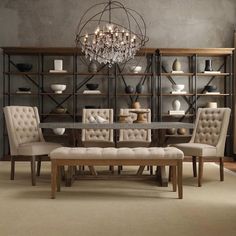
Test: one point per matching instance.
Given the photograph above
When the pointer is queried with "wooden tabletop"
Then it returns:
(152, 125)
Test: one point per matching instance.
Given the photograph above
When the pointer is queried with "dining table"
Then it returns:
(116, 125)
(161, 171)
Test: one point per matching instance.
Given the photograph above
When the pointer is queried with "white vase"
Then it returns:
(176, 105)
(176, 65)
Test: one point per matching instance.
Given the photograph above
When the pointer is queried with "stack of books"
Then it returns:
(178, 92)
(211, 72)
(91, 92)
(212, 93)
(178, 112)
(177, 71)
(57, 71)
(26, 92)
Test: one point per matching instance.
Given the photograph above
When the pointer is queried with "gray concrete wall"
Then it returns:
(170, 23)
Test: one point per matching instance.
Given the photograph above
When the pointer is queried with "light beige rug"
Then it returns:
(116, 207)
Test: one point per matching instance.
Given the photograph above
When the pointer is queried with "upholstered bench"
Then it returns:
(94, 156)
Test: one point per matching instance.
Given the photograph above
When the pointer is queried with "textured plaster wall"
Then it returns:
(170, 23)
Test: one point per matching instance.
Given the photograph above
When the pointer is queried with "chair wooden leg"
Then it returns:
(39, 166)
(221, 169)
(200, 171)
(111, 168)
(151, 170)
(33, 175)
(119, 170)
(194, 161)
(12, 168)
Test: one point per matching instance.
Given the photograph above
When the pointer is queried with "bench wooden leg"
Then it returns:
(53, 178)
(59, 178)
(161, 176)
(180, 181)
(174, 178)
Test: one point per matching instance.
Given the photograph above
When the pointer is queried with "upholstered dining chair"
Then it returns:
(26, 138)
(98, 137)
(135, 137)
(208, 139)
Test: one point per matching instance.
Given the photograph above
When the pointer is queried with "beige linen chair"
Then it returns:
(98, 137)
(135, 137)
(208, 139)
(25, 137)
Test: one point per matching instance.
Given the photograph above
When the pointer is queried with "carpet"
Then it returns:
(117, 207)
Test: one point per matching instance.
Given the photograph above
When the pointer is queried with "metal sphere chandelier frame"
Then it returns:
(102, 38)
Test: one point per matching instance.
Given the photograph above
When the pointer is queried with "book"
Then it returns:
(177, 71)
(26, 92)
(57, 71)
(91, 92)
(211, 72)
(179, 112)
(212, 93)
(176, 92)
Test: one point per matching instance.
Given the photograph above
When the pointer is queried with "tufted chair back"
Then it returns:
(137, 135)
(22, 126)
(211, 127)
(97, 135)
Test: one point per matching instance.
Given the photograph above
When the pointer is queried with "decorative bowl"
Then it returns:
(170, 131)
(177, 87)
(24, 67)
(135, 69)
(210, 88)
(59, 131)
(92, 86)
(24, 89)
(60, 110)
(181, 131)
(58, 88)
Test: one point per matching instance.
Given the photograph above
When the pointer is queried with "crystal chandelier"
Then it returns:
(105, 39)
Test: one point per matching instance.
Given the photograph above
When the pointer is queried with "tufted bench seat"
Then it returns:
(170, 156)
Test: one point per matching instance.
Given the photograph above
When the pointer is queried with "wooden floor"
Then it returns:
(230, 164)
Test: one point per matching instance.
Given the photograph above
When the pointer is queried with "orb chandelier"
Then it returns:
(111, 33)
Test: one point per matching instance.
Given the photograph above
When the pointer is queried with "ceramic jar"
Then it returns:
(129, 89)
(176, 105)
(139, 88)
(92, 68)
(136, 105)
